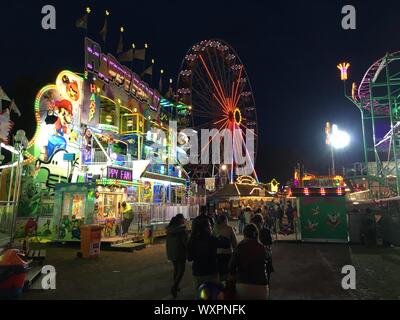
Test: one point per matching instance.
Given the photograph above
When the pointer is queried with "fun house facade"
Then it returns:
(94, 148)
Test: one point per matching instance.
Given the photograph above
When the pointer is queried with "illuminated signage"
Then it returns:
(108, 127)
(92, 106)
(109, 70)
(318, 192)
(119, 174)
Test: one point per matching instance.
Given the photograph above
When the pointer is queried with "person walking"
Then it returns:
(202, 216)
(127, 217)
(241, 221)
(290, 216)
(266, 239)
(177, 241)
(248, 215)
(202, 251)
(248, 267)
(227, 243)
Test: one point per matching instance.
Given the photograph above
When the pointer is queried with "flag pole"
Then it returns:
(133, 56)
(88, 11)
(151, 76)
(146, 46)
(105, 30)
(161, 83)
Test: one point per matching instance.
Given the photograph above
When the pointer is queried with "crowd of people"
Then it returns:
(242, 270)
(278, 217)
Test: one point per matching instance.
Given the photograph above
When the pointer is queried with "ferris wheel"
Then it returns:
(214, 82)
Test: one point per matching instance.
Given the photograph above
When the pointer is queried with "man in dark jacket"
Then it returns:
(177, 240)
(202, 216)
(249, 267)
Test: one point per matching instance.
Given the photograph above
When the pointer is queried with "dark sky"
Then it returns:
(290, 50)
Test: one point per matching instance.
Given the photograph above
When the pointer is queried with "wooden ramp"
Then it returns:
(127, 246)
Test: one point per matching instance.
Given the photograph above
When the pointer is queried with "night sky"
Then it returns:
(290, 50)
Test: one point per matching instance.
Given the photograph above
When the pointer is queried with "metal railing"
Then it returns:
(6, 222)
(152, 214)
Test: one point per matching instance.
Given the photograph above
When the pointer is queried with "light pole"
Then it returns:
(336, 139)
(223, 168)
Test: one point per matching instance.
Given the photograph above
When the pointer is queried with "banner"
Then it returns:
(323, 219)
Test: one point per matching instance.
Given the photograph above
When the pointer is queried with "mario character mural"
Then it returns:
(58, 106)
(71, 88)
(61, 114)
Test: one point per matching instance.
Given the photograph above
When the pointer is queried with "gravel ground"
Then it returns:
(303, 271)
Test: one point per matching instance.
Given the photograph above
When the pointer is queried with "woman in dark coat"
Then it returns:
(177, 240)
(202, 250)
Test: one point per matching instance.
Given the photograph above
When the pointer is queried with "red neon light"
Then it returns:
(322, 191)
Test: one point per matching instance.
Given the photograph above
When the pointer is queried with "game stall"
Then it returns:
(323, 214)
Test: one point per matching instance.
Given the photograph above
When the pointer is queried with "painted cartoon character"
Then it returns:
(334, 219)
(64, 119)
(72, 88)
(108, 227)
(316, 211)
(75, 229)
(87, 148)
(47, 231)
(65, 226)
(30, 227)
(312, 227)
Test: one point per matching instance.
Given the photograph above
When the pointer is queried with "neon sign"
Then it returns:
(119, 174)
(92, 106)
(109, 70)
(343, 67)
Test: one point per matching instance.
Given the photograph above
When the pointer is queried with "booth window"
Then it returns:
(132, 123)
(108, 112)
(73, 205)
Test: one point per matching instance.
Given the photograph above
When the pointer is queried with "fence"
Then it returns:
(146, 214)
(6, 222)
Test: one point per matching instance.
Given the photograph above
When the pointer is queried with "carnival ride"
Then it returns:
(214, 82)
(377, 97)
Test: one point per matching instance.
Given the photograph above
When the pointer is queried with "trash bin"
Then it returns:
(90, 240)
(13, 269)
(149, 234)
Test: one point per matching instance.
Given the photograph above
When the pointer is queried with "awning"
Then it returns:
(160, 177)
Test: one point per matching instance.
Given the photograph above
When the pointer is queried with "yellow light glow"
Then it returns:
(237, 115)
(343, 67)
(328, 133)
(353, 90)
(88, 10)
(122, 29)
(107, 13)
